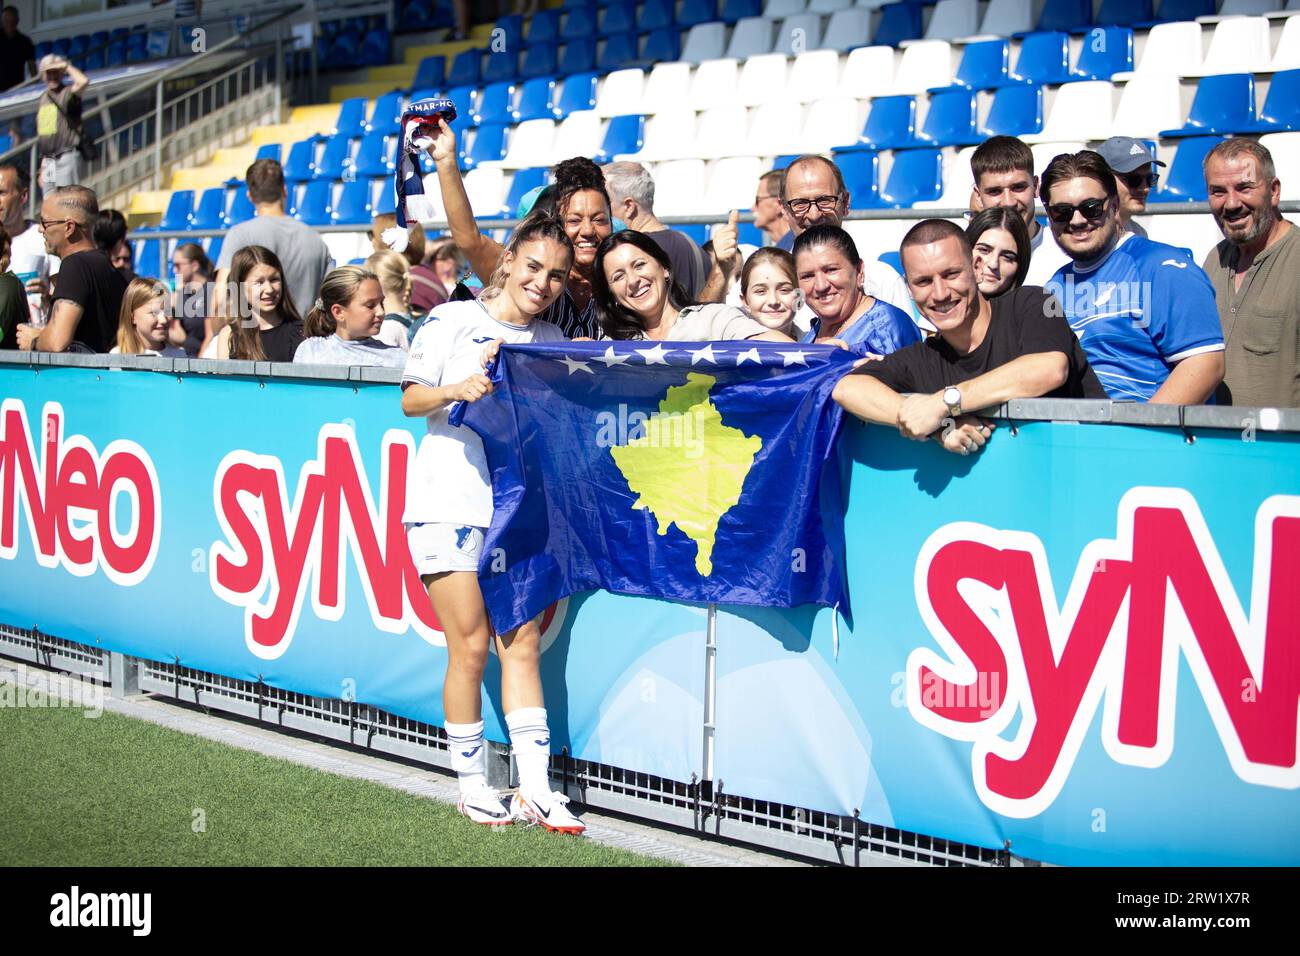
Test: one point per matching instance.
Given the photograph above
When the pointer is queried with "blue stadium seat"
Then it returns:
(1224, 103)
(268, 151)
(916, 176)
(386, 198)
(375, 155)
(663, 45)
(489, 145)
(429, 93)
(1105, 52)
(1044, 58)
(733, 10)
(525, 181)
(352, 117)
(387, 113)
(375, 48)
(95, 59)
(301, 164)
(899, 22)
(950, 120)
(78, 45)
(1125, 13)
(579, 23)
(893, 260)
(210, 213)
(501, 66)
(544, 27)
(655, 15)
(62, 45)
(467, 68)
(891, 124)
(1016, 111)
(625, 134)
(1065, 15)
(619, 17)
(291, 199)
(536, 100)
(1184, 10)
(137, 48)
(146, 263)
(6, 142)
(512, 31)
(579, 93)
(117, 33)
(212, 246)
(98, 38)
(1281, 110)
(619, 51)
(116, 55)
(179, 208)
(861, 177)
(540, 59)
(464, 97)
(698, 231)
(43, 48)
(336, 161)
(314, 207)
(496, 105)
(354, 204)
(983, 65)
(694, 12)
(241, 207)
(432, 72)
(416, 16)
(578, 57)
(345, 52)
(1185, 181)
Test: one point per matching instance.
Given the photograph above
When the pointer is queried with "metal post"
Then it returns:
(35, 172)
(124, 675)
(279, 73)
(158, 137)
(710, 689)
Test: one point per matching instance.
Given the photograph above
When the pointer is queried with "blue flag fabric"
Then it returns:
(688, 471)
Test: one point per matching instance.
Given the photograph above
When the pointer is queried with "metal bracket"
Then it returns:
(1182, 425)
(857, 845)
(694, 791)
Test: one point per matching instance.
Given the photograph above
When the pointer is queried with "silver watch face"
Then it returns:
(951, 395)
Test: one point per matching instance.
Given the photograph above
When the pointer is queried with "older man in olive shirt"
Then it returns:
(1256, 277)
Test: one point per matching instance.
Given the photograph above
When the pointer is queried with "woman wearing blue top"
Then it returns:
(830, 276)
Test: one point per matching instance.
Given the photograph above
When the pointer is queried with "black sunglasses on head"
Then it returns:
(1063, 212)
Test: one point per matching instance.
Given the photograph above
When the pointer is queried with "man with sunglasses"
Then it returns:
(1144, 311)
(1135, 176)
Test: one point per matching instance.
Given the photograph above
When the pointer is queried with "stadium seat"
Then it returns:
(1171, 48)
(831, 123)
(1065, 15)
(661, 45)
(78, 45)
(579, 134)
(776, 9)
(524, 182)
(1285, 148)
(1281, 110)
(923, 65)
(813, 75)
(869, 71)
(543, 27)
(1148, 104)
(861, 172)
(625, 135)
(577, 57)
(465, 98)
(1185, 181)
(536, 100)
(619, 16)
(734, 10)
(714, 84)
(668, 85)
(952, 19)
(731, 184)
(679, 187)
(705, 41)
(983, 66)
(531, 143)
(619, 52)
(1081, 111)
(210, 213)
(916, 176)
(1105, 52)
(351, 120)
(485, 187)
(489, 145)
(798, 34)
(694, 12)
(179, 209)
(1287, 54)
(354, 203)
(579, 23)
(1247, 8)
(847, 29)
(212, 248)
(949, 121)
(385, 198)
(1174, 10)
(467, 68)
(1005, 18)
(891, 124)
(656, 15)
(898, 22)
(386, 115)
(1044, 58)
(579, 93)
(509, 31)
(501, 66)
(241, 207)
(621, 93)
(1239, 45)
(146, 262)
(1016, 111)
(335, 161)
(496, 104)
(774, 129)
(1044, 153)
(668, 135)
(314, 208)
(957, 180)
(761, 79)
(377, 154)
(1224, 104)
(116, 53)
(432, 72)
(301, 163)
(751, 37)
(429, 93)
(721, 131)
(375, 48)
(1125, 13)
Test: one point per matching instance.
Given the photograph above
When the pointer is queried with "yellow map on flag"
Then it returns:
(689, 467)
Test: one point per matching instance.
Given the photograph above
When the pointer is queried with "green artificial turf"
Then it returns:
(116, 791)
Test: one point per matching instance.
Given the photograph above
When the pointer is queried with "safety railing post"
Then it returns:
(710, 690)
(123, 675)
(158, 136)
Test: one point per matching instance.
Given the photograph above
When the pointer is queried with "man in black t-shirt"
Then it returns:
(986, 353)
(88, 295)
(17, 53)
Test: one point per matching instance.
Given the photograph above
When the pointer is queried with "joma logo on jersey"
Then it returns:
(1136, 603)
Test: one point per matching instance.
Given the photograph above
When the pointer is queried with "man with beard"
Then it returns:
(1255, 271)
(1144, 311)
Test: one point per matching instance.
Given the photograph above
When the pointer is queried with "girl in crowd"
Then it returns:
(394, 274)
(770, 290)
(581, 205)
(637, 298)
(830, 277)
(261, 323)
(449, 508)
(447, 263)
(142, 322)
(1001, 247)
(192, 269)
(342, 326)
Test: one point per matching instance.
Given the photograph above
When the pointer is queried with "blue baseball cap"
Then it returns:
(1123, 154)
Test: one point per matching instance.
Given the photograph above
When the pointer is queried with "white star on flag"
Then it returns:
(704, 355)
(654, 356)
(794, 358)
(610, 359)
(752, 355)
(575, 365)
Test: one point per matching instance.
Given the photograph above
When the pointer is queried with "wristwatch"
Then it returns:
(952, 398)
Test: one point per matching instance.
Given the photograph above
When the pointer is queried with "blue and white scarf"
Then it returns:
(412, 204)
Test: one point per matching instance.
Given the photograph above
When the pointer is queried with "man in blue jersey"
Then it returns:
(1144, 311)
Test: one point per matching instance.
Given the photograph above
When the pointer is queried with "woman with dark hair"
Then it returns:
(577, 200)
(109, 233)
(829, 270)
(258, 292)
(637, 297)
(1001, 249)
(193, 270)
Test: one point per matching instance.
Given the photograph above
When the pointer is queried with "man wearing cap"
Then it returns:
(1135, 176)
(58, 123)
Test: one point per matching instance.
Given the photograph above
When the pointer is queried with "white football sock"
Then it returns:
(530, 740)
(465, 743)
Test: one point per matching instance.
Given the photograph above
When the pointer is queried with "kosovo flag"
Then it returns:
(681, 470)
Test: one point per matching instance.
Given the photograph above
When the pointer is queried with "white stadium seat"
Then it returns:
(1171, 48)
(868, 71)
(829, 6)
(485, 186)
(705, 41)
(1287, 55)
(678, 187)
(847, 30)
(774, 129)
(668, 85)
(833, 121)
(762, 78)
(721, 131)
(813, 75)
(714, 84)
(1080, 111)
(532, 141)
(1150, 102)
(579, 134)
(1002, 18)
(751, 36)
(1044, 153)
(620, 93)
(776, 9)
(1199, 234)
(798, 34)
(952, 19)
(1239, 45)
(957, 181)
(872, 4)
(923, 65)
(732, 184)
(669, 134)
(1245, 8)
(1285, 148)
